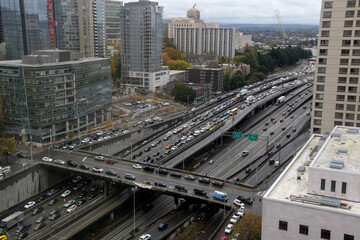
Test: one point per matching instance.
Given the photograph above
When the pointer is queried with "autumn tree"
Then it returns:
(179, 65)
(249, 228)
(6, 144)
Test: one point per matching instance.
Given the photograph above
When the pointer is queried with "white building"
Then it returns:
(152, 81)
(318, 195)
(242, 40)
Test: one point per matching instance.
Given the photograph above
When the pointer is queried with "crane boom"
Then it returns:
(281, 27)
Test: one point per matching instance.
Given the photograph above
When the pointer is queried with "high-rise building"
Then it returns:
(141, 45)
(25, 26)
(54, 93)
(112, 20)
(212, 77)
(317, 196)
(337, 88)
(199, 40)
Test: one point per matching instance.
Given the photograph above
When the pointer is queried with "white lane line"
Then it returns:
(84, 158)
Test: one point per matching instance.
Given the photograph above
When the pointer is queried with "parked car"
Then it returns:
(59, 161)
(23, 228)
(47, 159)
(238, 203)
(137, 166)
(84, 166)
(21, 155)
(245, 153)
(71, 208)
(229, 228)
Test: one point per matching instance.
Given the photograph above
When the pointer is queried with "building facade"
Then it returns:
(112, 21)
(242, 40)
(199, 40)
(141, 45)
(53, 94)
(212, 76)
(336, 88)
(317, 196)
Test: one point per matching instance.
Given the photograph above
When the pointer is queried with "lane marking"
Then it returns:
(84, 158)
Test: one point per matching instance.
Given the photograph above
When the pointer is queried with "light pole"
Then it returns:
(134, 190)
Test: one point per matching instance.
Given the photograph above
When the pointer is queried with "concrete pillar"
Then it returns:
(87, 122)
(78, 125)
(95, 118)
(67, 126)
(176, 202)
(106, 189)
(111, 216)
(102, 115)
(53, 133)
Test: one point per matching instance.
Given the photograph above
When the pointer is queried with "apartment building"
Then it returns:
(212, 77)
(112, 20)
(336, 89)
(317, 196)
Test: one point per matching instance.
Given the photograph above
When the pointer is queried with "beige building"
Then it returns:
(336, 89)
(242, 40)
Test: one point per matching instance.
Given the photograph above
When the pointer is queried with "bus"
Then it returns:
(233, 111)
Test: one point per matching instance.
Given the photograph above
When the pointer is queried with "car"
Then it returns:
(283, 128)
(175, 174)
(271, 161)
(84, 166)
(52, 201)
(234, 219)
(59, 161)
(71, 208)
(40, 219)
(199, 191)
(100, 158)
(147, 149)
(29, 204)
(97, 170)
(69, 203)
(37, 210)
(139, 153)
(160, 184)
(204, 180)
(168, 146)
(224, 238)
(72, 163)
(211, 162)
(111, 172)
(248, 170)
(239, 203)
(162, 226)
(23, 228)
(66, 193)
(110, 161)
(22, 235)
(81, 202)
(54, 216)
(156, 154)
(294, 130)
(278, 145)
(189, 177)
(46, 159)
(271, 133)
(281, 119)
(147, 159)
(174, 148)
(292, 116)
(137, 166)
(266, 123)
(165, 138)
(246, 200)
(145, 237)
(39, 226)
(288, 135)
(304, 107)
(167, 152)
(149, 169)
(82, 194)
(130, 176)
(181, 188)
(229, 228)
(163, 171)
(51, 192)
(41, 198)
(91, 196)
(265, 129)
(21, 155)
(218, 183)
(245, 153)
(54, 211)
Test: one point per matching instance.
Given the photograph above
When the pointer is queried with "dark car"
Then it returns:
(218, 184)
(41, 219)
(147, 207)
(204, 180)
(167, 151)
(271, 133)
(21, 155)
(160, 184)
(84, 166)
(283, 128)
(175, 174)
(271, 161)
(111, 172)
(294, 130)
(130, 176)
(278, 146)
(139, 153)
(23, 228)
(72, 163)
(288, 135)
(163, 171)
(163, 226)
(181, 188)
(166, 138)
(39, 226)
(156, 154)
(149, 169)
(41, 198)
(146, 159)
(246, 200)
(248, 170)
(81, 202)
(147, 149)
(200, 192)
(22, 235)
(91, 196)
(51, 192)
(52, 201)
(82, 194)
(54, 216)
(54, 211)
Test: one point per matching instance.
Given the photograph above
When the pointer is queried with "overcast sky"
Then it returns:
(247, 11)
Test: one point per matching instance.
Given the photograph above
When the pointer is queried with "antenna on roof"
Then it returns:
(194, 5)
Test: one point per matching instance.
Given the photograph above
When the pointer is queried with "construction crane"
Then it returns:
(281, 27)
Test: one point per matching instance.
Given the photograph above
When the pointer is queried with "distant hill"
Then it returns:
(271, 27)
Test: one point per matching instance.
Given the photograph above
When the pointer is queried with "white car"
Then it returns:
(241, 212)
(66, 193)
(137, 166)
(47, 159)
(97, 170)
(229, 228)
(100, 133)
(125, 131)
(234, 218)
(69, 203)
(239, 203)
(145, 237)
(29, 204)
(173, 148)
(71, 208)
(58, 161)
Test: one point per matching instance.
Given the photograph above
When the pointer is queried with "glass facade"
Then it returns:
(112, 20)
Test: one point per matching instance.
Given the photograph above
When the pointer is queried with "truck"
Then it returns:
(12, 220)
(249, 100)
(243, 92)
(280, 100)
(220, 196)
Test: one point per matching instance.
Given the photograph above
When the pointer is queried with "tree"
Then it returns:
(179, 65)
(7, 145)
(249, 227)
(174, 54)
(116, 67)
(182, 93)
(169, 43)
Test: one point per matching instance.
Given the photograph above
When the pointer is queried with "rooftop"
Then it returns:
(319, 151)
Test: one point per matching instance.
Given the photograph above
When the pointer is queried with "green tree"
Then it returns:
(182, 93)
(7, 145)
(249, 228)
(179, 65)
(115, 67)
(169, 43)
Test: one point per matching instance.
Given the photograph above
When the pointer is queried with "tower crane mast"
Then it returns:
(281, 27)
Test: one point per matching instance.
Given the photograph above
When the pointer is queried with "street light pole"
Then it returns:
(134, 189)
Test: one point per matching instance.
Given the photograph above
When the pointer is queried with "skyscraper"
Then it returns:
(141, 45)
(112, 20)
(336, 91)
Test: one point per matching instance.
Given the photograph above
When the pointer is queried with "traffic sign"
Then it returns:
(237, 135)
(253, 137)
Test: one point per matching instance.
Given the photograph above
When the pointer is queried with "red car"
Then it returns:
(169, 146)
(224, 238)
(110, 161)
(281, 119)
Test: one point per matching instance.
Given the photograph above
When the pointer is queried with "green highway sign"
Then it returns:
(253, 137)
(237, 135)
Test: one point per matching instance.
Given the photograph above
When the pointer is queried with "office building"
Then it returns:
(201, 40)
(54, 94)
(336, 89)
(317, 196)
(242, 40)
(141, 45)
(112, 21)
(206, 76)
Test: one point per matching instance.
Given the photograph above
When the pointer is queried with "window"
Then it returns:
(324, 42)
(337, 123)
(322, 185)
(318, 113)
(342, 80)
(283, 225)
(355, 61)
(349, 124)
(317, 122)
(354, 71)
(339, 106)
(333, 186)
(321, 78)
(343, 70)
(347, 33)
(353, 80)
(346, 43)
(327, 14)
(350, 116)
(319, 105)
(340, 98)
(322, 61)
(341, 89)
(328, 4)
(351, 3)
(325, 234)
(351, 98)
(356, 52)
(343, 188)
(348, 237)
(345, 52)
(348, 14)
(326, 24)
(323, 52)
(322, 70)
(303, 229)
(316, 130)
(346, 24)
(352, 89)
(325, 33)
(320, 88)
(319, 96)
(344, 61)
(357, 33)
(339, 115)
(357, 23)
(350, 107)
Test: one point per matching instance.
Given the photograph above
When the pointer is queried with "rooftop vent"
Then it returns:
(353, 130)
(330, 202)
(337, 164)
(336, 134)
(301, 169)
(342, 150)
